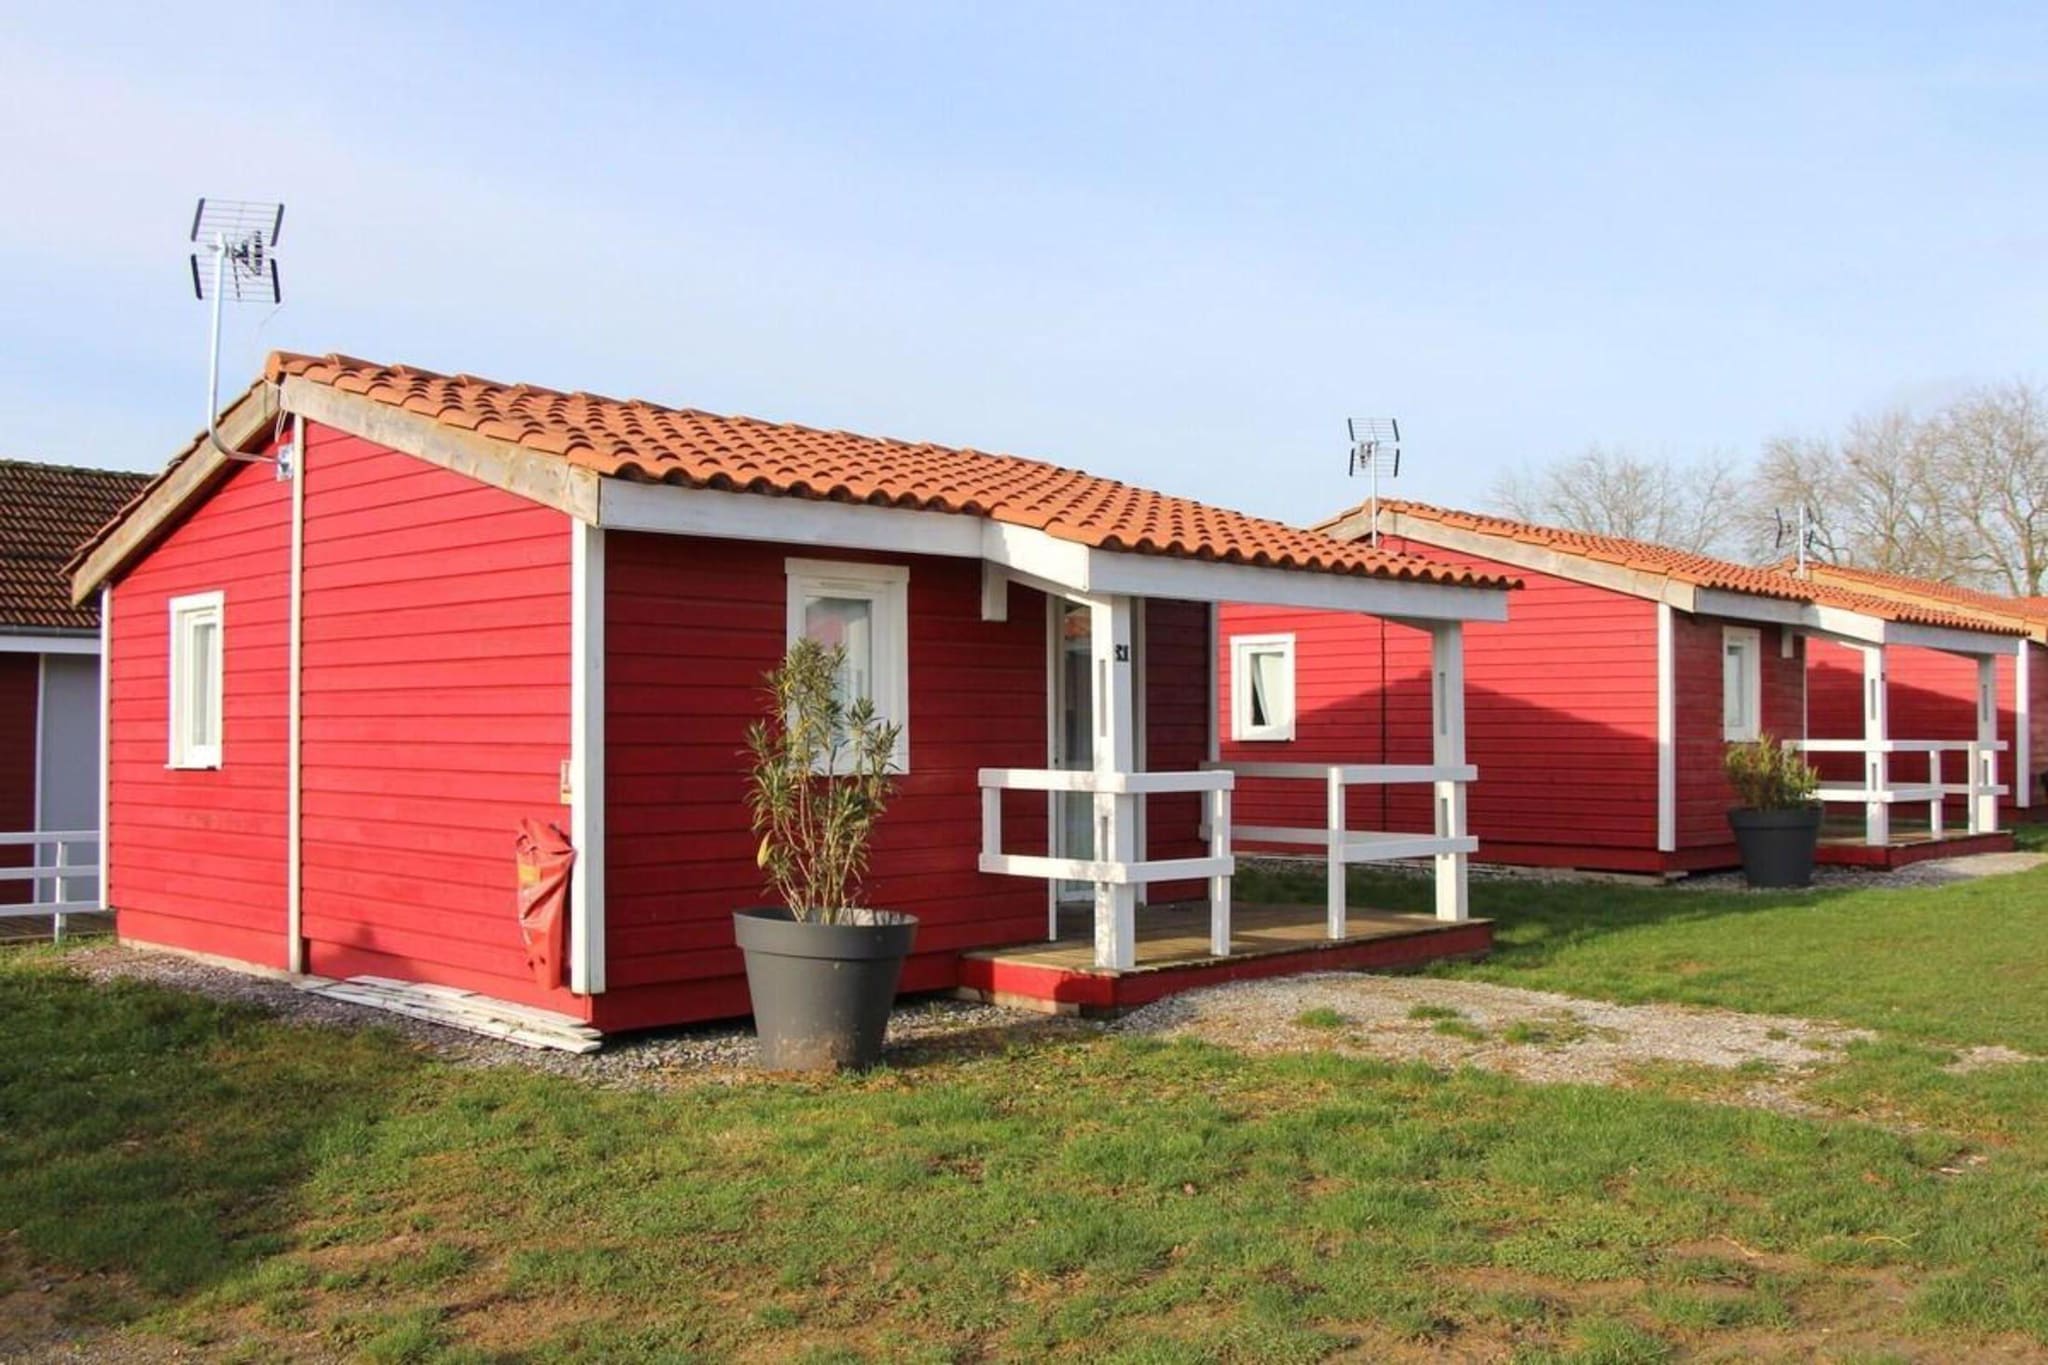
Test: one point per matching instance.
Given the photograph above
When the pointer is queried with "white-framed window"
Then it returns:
(865, 607)
(1742, 686)
(198, 634)
(1262, 687)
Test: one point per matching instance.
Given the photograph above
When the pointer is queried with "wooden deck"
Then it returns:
(1173, 954)
(1843, 848)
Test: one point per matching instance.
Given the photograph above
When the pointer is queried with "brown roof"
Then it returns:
(1686, 566)
(46, 512)
(647, 442)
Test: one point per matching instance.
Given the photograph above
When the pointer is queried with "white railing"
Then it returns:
(1116, 797)
(60, 875)
(1879, 790)
(1450, 844)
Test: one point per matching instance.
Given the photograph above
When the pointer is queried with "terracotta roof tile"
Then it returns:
(1685, 566)
(1969, 601)
(46, 512)
(639, 440)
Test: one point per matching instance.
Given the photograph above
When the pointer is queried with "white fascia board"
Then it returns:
(49, 644)
(1029, 554)
(1950, 640)
(1552, 563)
(665, 508)
(1210, 581)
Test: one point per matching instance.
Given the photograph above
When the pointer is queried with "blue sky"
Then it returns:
(1173, 244)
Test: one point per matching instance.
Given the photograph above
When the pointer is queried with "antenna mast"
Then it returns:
(1375, 447)
(240, 237)
(1803, 532)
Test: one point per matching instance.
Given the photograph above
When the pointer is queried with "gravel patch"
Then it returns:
(1983, 1058)
(1933, 872)
(920, 1027)
(1536, 1036)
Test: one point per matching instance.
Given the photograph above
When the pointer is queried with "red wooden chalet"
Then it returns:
(418, 609)
(1598, 715)
(1934, 693)
(49, 692)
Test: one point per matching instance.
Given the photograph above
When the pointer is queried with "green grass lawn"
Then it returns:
(184, 1170)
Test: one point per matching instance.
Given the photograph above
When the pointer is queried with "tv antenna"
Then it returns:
(1375, 450)
(238, 240)
(1801, 530)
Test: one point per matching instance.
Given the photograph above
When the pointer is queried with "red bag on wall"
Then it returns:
(545, 858)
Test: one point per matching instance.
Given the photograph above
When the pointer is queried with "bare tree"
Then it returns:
(1610, 492)
(1961, 496)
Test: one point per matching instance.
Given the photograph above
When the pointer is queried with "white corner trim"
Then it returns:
(1667, 731)
(35, 893)
(586, 757)
(48, 644)
(295, 858)
(106, 745)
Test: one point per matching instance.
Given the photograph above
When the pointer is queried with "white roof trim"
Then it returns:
(21, 643)
(1030, 554)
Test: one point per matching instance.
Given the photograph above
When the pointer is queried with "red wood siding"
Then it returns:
(1704, 795)
(435, 706)
(1561, 720)
(1176, 733)
(198, 857)
(18, 723)
(1932, 695)
(692, 624)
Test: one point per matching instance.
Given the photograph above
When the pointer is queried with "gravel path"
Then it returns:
(918, 1028)
(1933, 872)
(1534, 1035)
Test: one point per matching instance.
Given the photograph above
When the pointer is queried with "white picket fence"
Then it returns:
(54, 889)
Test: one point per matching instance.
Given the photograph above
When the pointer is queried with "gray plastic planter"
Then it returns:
(1777, 845)
(822, 992)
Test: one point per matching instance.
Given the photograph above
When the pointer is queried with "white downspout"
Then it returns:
(106, 747)
(1667, 730)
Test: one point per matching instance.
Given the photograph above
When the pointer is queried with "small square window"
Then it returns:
(1262, 687)
(865, 608)
(1741, 683)
(198, 640)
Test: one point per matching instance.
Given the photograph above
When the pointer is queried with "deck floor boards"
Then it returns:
(1178, 935)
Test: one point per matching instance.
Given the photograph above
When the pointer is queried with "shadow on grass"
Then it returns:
(141, 1129)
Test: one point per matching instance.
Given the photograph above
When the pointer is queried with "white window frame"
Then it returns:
(1242, 647)
(887, 588)
(185, 612)
(1751, 641)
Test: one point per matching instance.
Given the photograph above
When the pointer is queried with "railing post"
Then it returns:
(1447, 649)
(1984, 799)
(1334, 824)
(1936, 812)
(1218, 806)
(1877, 819)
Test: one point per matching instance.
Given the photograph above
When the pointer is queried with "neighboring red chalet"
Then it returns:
(50, 684)
(1933, 693)
(413, 610)
(1597, 716)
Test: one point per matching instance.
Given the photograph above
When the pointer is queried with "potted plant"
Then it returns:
(821, 967)
(1777, 823)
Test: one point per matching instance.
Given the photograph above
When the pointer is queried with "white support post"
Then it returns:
(1936, 812)
(1116, 834)
(1219, 885)
(295, 667)
(1447, 653)
(1984, 758)
(1877, 821)
(1667, 731)
(2022, 726)
(1334, 823)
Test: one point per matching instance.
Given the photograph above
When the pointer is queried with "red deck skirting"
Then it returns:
(1833, 854)
(1093, 991)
